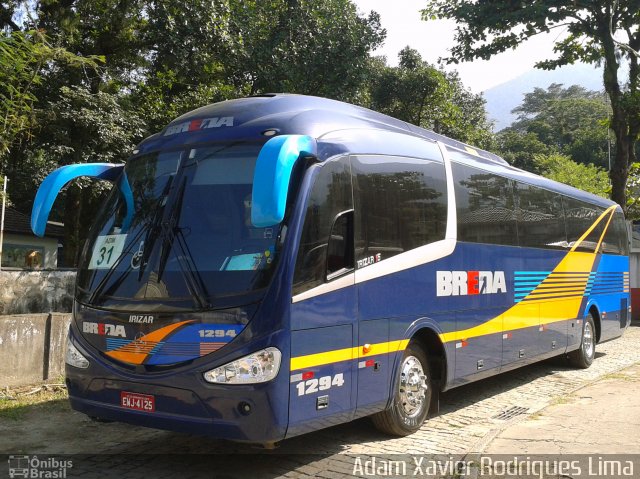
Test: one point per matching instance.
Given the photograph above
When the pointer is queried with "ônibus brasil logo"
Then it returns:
(463, 283)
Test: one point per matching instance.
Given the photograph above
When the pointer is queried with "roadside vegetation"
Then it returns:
(15, 402)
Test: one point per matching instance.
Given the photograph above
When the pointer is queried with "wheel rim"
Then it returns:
(587, 339)
(413, 386)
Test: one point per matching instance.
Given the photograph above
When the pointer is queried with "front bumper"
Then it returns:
(184, 402)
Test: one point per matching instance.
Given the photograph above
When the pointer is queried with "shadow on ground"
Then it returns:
(111, 449)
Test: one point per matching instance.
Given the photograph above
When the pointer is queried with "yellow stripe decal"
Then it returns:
(564, 306)
(346, 354)
(608, 211)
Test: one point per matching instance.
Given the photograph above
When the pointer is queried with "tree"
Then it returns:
(160, 60)
(487, 28)
(23, 58)
(585, 177)
(572, 121)
(303, 46)
(520, 148)
(419, 93)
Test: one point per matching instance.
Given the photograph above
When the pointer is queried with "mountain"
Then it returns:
(501, 99)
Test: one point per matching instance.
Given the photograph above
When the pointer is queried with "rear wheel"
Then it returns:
(411, 395)
(584, 355)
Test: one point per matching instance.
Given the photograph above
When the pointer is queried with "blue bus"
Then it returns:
(273, 265)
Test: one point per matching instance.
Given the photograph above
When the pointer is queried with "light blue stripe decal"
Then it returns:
(56, 180)
(272, 174)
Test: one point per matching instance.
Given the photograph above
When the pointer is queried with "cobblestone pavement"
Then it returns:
(467, 422)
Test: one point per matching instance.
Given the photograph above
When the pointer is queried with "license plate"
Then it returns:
(139, 402)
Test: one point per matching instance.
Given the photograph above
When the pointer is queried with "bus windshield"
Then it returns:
(176, 234)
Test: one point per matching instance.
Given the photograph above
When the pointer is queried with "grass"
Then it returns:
(623, 375)
(16, 402)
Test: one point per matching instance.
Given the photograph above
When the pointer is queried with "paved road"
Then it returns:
(471, 417)
(601, 418)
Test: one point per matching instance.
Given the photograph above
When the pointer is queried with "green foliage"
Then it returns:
(571, 121)
(304, 46)
(633, 192)
(83, 127)
(563, 169)
(520, 148)
(418, 93)
(589, 32)
(109, 72)
(23, 56)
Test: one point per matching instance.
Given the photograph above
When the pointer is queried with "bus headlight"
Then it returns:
(74, 357)
(259, 367)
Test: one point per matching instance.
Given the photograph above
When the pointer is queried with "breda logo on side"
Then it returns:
(463, 283)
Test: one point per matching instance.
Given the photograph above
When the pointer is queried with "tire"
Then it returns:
(410, 405)
(584, 355)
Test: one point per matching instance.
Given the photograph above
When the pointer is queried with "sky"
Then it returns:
(434, 38)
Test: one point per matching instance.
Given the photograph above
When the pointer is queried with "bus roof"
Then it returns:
(250, 117)
(287, 114)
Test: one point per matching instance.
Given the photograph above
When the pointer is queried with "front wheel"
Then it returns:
(411, 395)
(584, 355)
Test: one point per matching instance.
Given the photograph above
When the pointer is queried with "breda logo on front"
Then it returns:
(199, 124)
(104, 329)
(463, 283)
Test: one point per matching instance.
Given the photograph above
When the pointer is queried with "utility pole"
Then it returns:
(4, 201)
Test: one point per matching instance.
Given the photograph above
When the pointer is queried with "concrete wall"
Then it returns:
(32, 347)
(49, 245)
(24, 292)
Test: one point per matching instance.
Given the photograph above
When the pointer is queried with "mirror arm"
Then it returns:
(56, 180)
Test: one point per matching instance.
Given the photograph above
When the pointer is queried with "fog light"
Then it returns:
(74, 357)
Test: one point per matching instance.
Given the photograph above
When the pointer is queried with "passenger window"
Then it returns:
(616, 238)
(485, 206)
(579, 216)
(401, 204)
(330, 196)
(540, 218)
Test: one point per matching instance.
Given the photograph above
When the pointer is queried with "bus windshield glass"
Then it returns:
(176, 234)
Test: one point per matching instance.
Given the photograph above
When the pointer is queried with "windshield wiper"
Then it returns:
(171, 231)
(154, 228)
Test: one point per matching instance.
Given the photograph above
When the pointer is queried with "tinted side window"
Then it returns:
(485, 206)
(330, 196)
(540, 218)
(401, 204)
(615, 239)
(579, 217)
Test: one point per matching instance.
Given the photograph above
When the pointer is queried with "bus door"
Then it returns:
(324, 309)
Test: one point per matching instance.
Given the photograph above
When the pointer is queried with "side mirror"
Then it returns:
(340, 254)
(56, 180)
(272, 175)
